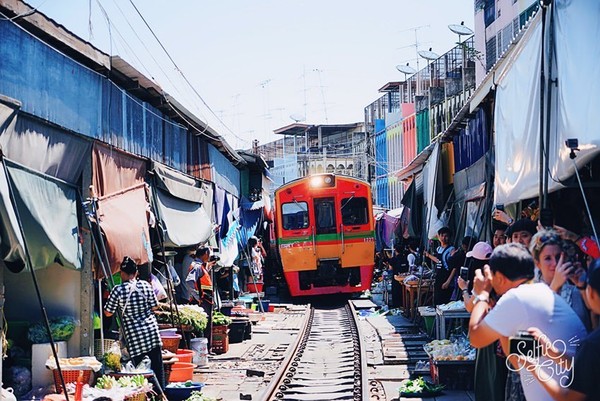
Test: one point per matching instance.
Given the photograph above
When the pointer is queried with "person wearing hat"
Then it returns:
(522, 230)
(582, 382)
(475, 259)
(490, 367)
(136, 301)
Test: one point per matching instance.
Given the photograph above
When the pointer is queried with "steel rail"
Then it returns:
(328, 360)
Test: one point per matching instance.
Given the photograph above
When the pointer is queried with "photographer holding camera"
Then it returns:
(200, 284)
(523, 304)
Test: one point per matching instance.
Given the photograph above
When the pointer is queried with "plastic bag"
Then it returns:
(6, 394)
(143, 367)
(19, 378)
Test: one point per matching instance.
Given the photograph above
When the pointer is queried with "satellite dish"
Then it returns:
(297, 117)
(428, 54)
(460, 29)
(405, 69)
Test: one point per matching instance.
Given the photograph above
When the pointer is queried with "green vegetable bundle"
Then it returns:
(198, 396)
(189, 315)
(62, 328)
(418, 386)
(219, 319)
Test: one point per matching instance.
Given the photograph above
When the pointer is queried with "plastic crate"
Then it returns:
(220, 343)
(454, 375)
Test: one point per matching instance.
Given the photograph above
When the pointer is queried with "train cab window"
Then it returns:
(325, 215)
(294, 215)
(355, 211)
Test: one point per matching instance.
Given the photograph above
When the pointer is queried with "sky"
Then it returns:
(248, 67)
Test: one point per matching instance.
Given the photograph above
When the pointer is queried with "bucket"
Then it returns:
(200, 348)
(181, 372)
(237, 330)
(265, 305)
(185, 355)
(254, 287)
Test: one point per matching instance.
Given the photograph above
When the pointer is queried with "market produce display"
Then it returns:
(453, 306)
(220, 319)
(84, 362)
(62, 328)
(419, 388)
(457, 348)
(112, 361)
(198, 396)
(189, 315)
(107, 382)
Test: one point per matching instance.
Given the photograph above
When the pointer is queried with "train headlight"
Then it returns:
(325, 180)
(316, 182)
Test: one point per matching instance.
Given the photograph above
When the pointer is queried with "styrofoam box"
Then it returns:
(40, 375)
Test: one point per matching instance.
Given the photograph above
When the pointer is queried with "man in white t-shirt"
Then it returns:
(522, 305)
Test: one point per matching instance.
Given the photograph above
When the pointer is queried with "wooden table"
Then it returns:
(415, 295)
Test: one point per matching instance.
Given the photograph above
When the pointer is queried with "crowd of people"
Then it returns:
(530, 285)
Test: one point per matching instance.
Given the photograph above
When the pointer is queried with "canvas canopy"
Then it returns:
(184, 207)
(47, 208)
(122, 206)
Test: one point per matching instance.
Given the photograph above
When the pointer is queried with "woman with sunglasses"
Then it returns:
(556, 268)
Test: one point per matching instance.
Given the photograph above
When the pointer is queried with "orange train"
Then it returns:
(325, 234)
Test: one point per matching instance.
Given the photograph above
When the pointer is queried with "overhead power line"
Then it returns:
(183, 75)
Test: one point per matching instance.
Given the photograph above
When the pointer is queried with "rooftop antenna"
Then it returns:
(263, 85)
(406, 70)
(461, 30)
(318, 71)
(416, 46)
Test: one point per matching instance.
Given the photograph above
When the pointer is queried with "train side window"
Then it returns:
(354, 211)
(294, 215)
(325, 215)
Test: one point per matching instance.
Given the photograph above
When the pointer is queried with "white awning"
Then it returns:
(573, 114)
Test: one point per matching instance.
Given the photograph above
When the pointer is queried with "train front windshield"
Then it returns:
(325, 215)
(355, 211)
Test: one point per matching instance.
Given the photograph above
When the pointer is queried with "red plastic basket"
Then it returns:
(70, 376)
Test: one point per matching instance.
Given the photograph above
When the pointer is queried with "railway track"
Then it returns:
(326, 363)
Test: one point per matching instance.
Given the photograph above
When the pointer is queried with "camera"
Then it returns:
(523, 343)
(214, 258)
(464, 273)
(500, 206)
(572, 143)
